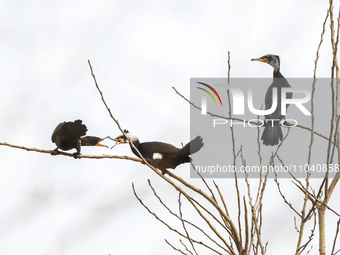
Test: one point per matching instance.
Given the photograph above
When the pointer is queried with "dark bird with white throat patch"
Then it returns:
(272, 133)
(162, 155)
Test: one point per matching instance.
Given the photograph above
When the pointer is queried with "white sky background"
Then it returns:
(139, 50)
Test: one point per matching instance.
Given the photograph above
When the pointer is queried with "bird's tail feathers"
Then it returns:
(272, 135)
(193, 146)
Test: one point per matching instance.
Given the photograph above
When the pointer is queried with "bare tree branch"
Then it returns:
(71, 154)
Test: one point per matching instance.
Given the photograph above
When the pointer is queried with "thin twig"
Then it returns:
(222, 199)
(205, 183)
(284, 198)
(183, 224)
(310, 237)
(234, 159)
(173, 247)
(335, 237)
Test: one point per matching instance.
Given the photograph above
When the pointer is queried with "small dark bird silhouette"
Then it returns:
(162, 155)
(68, 135)
(272, 133)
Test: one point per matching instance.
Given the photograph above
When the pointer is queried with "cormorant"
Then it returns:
(272, 133)
(67, 135)
(162, 155)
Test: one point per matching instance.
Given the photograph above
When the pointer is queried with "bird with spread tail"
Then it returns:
(272, 133)
(68, 135)
(161, 155)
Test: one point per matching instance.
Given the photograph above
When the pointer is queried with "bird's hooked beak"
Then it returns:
(118, 141)
(99, 144)
(92, 141)
(261, 59)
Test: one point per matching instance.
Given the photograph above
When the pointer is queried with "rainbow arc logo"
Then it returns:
(209, 93)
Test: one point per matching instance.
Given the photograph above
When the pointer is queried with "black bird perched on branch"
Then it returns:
(162, 155)
(272, 133)
(68, 135)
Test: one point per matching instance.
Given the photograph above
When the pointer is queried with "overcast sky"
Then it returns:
(139, 50)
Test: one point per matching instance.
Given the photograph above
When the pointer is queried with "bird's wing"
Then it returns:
(70, 130)
(58, 131)
(150, 148)
(75, 129)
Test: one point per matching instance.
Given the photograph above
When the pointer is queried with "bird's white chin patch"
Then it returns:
(157, 156)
